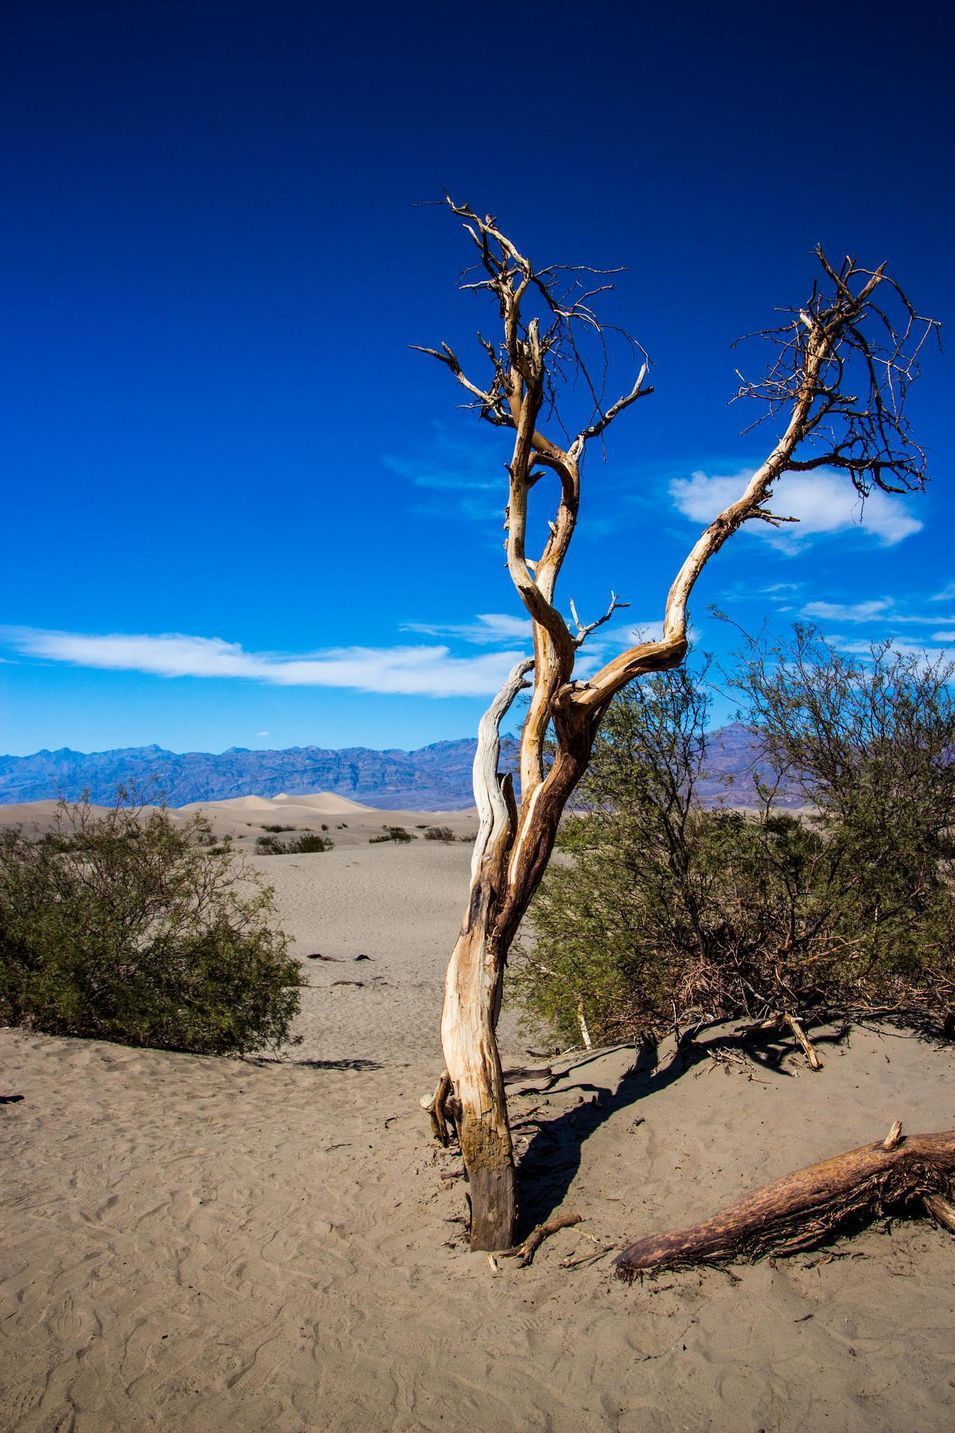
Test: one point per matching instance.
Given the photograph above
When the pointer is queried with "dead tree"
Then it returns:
(804, 1209)
(547, 316)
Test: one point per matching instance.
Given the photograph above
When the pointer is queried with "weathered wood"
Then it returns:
(526, 1251)
(803, 1209)
(514, 844)
(472, 996)
(807, 1047)
(940, 1209)
(437, 1107)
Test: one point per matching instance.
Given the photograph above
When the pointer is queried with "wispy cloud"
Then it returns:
(466, 476)
(824, 502)
(487, 629)
(409, 670)
(884, 611)
(847, 611)
(922, 651)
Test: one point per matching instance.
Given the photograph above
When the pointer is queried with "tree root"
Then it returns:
(440, 1108)
(525, 1252)
(940, 1209)
(803, 1209)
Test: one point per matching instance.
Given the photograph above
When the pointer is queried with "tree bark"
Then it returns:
(801, 1210)
(509, 860)
(472, 999)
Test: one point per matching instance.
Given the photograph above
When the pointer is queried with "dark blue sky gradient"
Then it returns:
(213, 263)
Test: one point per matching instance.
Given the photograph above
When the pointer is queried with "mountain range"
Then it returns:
(433, 778)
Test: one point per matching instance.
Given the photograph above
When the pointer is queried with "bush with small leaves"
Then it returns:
(124, 926)
(439, 833)
(665, 913)
(299, 846)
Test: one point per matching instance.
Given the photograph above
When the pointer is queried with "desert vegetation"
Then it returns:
(125, 926)
(669, 916)
(298, 846)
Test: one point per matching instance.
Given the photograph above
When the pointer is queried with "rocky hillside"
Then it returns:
(433, 778)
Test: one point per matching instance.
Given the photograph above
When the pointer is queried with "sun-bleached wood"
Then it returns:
(539, 328)
(803, 1209)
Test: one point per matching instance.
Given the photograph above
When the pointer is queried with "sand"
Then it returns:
(197, 1244)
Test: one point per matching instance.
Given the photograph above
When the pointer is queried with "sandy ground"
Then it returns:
(196, 1244)
(248, 818)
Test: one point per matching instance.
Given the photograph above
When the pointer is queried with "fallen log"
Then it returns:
(802, 1210)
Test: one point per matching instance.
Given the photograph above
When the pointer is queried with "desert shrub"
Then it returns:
(439, 833)
(664, 913)
(277, 829)
(124, 927)
(392, 833)
(299, 845)
(304, 845)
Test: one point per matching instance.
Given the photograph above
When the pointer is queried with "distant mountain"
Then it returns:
(433, 778)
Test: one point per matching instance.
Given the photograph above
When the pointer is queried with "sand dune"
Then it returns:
(324, 801)
(244, 818)
(202, 1245)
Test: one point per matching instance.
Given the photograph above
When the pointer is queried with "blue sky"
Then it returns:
(239, 510)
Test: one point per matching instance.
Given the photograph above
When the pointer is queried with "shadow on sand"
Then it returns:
(355, 1064)
(552, 1159)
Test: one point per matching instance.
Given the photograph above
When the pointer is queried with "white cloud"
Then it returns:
(881, 610)
(947, 594)
(823, 501)
(636, 633)
(411, 670)
(487, 629)
(859, 647)
(847, 611)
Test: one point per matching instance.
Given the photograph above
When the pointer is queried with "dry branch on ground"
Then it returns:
(805, 1208)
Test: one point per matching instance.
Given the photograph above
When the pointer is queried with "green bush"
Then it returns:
(392, 833)
(663, 913)
(301, 845)
(124, 926)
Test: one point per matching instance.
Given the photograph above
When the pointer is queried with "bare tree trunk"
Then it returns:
(473, 989)
(509, 860)
(471, 1005)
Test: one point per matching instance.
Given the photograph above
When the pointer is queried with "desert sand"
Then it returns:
(197, 1244)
